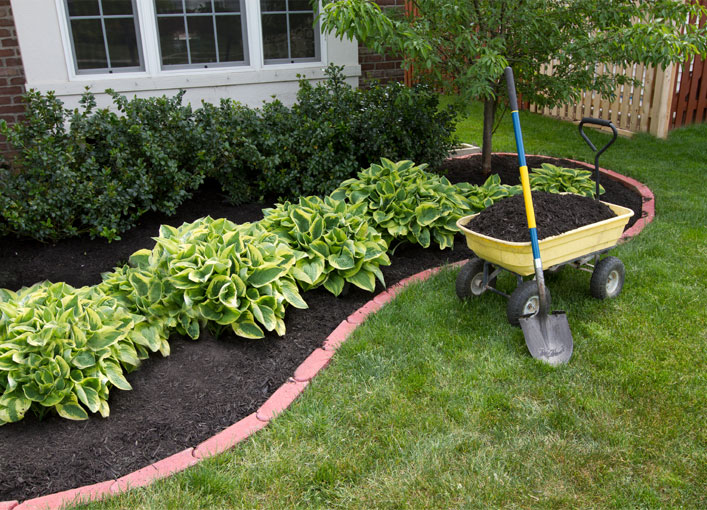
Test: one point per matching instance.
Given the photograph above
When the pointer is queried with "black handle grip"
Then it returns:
(599, 122)
(511, 85)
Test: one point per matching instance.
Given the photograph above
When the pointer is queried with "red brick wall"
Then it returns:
(382, 68)
(12, 73)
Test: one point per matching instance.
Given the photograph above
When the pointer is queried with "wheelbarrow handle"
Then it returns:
(598, 122)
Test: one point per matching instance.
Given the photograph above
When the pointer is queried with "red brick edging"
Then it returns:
(283, 396)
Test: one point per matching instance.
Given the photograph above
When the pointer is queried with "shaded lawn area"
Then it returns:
(435, 403)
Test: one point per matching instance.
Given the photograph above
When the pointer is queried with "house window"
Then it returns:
(201, 33)
(104, 35)
(289, 31)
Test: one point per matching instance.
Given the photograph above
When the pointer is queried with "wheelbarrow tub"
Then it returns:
(555, 250)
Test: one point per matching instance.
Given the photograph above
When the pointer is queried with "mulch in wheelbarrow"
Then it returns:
(554, 214)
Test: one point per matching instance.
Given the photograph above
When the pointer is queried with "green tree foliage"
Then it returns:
(462, 46)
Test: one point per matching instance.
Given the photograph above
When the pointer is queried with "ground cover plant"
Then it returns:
(457, 414)
(408, 204)
(334, 244)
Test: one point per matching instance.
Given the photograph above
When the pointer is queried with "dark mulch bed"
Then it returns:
(203, 386)
(554, 215)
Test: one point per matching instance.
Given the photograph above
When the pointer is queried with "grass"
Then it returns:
(435, 403)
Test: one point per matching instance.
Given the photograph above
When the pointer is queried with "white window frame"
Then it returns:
(149, 47)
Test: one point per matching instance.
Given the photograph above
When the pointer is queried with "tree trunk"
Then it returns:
(490, 106)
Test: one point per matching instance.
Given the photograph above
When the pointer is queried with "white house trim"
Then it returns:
(45, 43)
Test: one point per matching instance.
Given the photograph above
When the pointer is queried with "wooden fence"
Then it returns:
(644, 108)
(666, 99)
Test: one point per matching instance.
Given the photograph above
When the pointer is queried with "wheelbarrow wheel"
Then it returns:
(607, 278)
(524, 301)
(470, 279)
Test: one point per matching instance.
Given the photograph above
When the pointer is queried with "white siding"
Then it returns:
(47, 59)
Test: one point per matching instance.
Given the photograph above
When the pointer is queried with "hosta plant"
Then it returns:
(333, 242)
(406, 203)
(217, 273)
(556, 179)
(481, 197)
(63, 348)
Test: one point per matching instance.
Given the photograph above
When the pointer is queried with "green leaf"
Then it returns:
(364, 280)
(115, 375)
(265, 274)
(334, 284)
(104, 337)
(427, 213)
(342, 261)
(71, 409)
(83, 360)
(292, 295)
(247, 329)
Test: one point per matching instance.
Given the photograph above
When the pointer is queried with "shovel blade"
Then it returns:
(548, 337)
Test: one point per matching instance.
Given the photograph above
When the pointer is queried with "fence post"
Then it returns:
(662, 101)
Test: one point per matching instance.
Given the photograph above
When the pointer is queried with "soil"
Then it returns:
(554, 215)
(203, 386)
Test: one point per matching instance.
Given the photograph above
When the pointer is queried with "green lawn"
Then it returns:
(435, 403)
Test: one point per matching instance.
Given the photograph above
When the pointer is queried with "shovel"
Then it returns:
(547, 335)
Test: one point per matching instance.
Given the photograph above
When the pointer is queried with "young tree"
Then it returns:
(462, 46)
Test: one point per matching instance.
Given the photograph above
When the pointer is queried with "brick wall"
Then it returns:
(12, 74)
(382, 68)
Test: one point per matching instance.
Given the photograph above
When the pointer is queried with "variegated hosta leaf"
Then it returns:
(556, 179)
(63, 348)
(331, 240)
(406, 203)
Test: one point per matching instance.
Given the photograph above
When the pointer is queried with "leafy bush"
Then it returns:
(239, 148)
(555, 179)
(333, 241)
(96, 171)
(211, 272)
(406, 203)
(334, 130)
(64, 348)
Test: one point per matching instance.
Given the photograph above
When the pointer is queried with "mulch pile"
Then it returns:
(554, 215)
(203, 386)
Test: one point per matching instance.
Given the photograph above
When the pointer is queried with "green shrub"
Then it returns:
(238, 148)
(334, 130)
(211, 272)
(96, 171)
(555, 179)
(333, 243)
(406, 203)
(63, 348)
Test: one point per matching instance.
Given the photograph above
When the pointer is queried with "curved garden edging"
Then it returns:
(284, 395)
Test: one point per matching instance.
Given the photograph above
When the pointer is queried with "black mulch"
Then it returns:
(554, 215)
(203, 386)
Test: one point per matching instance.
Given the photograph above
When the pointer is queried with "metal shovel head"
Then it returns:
(548, 336)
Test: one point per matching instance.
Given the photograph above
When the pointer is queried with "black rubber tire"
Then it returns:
(523, 300)
(607, 278)
(470, 277)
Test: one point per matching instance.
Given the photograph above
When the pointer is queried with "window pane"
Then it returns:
(201, 39)
(300, 5)
(173, 41)
(83, 8)
(117, 7)
(273, 5)
(169, 6)
(302, 35)
(88, 44)
(198, 5)
(228, 5)
(275, 36)
(230, 39)
(122, 42)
